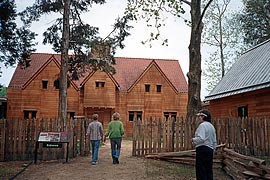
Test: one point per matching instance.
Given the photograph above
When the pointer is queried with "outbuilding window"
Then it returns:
(242, 111)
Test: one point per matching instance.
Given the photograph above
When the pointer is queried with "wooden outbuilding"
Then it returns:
(140, 88)
(245, 89)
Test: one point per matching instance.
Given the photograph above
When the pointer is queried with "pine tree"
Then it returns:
(16, 42)
(70, 33)
(255, 20)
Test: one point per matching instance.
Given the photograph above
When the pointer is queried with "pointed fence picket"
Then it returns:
(248, 136)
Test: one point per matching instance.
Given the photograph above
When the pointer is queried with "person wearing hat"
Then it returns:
(95, 133)
(205, 143)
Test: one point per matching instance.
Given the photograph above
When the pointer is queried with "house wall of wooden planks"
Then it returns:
(97, 92)
(256, 103)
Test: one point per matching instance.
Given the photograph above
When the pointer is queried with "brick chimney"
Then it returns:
(100, 51)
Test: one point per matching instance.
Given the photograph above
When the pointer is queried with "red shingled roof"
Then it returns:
(22, 76)
(128, 70)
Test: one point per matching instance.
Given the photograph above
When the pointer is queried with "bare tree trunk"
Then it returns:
(194, 74)
(221, 48)
(62, 109)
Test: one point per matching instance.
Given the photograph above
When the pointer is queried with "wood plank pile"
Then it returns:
(187, 157)
(244, 167)
(236, 165)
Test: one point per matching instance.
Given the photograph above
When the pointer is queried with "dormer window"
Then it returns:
(100, 84)
(147, 87)
(159, 88)
(56, 84)
(44, 84)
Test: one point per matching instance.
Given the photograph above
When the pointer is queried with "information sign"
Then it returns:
(52, 140)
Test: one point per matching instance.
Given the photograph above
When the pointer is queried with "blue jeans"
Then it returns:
(115, 147)
(95, 147)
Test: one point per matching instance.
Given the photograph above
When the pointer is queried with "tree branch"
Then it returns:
(204, 10)
(187, 2)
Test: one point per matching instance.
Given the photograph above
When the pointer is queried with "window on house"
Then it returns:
(158, 88)
(30, 114)
(168, 115)
(44, 84)
(100, 84)
(71, 114)
(147, 87)
(56, 84)
(134, 114)
(242, 111)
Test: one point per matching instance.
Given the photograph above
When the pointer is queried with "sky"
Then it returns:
(103, 16)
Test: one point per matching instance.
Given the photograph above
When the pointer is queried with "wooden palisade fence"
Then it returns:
(248, 136)
(170, 140)
(18, 139)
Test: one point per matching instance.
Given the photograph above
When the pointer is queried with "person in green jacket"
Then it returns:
(115, 133)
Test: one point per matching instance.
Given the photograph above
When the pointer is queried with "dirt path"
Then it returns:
(130, 168)
(80, 168)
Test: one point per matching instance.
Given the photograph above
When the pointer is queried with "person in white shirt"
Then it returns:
(205, 143)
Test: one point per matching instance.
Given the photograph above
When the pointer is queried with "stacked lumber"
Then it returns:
(236, 165)
(187, 157)
(183, 157)
(240, 166)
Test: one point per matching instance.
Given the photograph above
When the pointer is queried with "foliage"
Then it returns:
(83, 36)
(154, 14)
(69, 32)
(3, 91)
(255, 20)
(224, 39)
(152, 10)
(16, 42)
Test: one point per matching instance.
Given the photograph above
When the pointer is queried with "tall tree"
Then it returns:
(16, 42)
(148, 10)
(3, 91)
(78, 37)
(224, 39)
(255, 20)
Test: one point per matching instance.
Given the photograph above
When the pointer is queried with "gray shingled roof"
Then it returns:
(250, 72)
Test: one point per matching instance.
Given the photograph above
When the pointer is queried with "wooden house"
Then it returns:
(140, 88)
(245, 89)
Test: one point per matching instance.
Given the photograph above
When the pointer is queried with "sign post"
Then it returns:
(52, 140)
